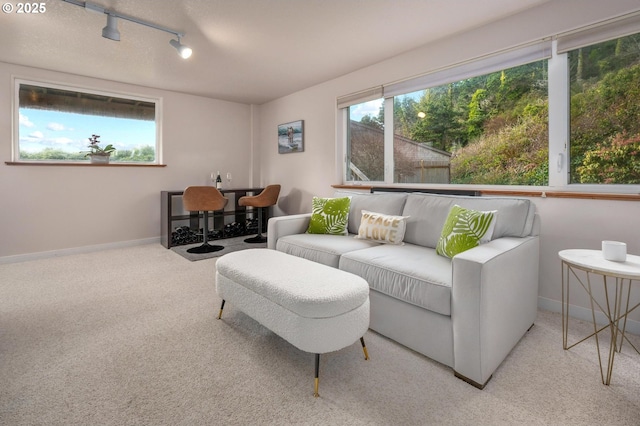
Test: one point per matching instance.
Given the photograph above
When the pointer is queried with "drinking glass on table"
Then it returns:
(229, 178)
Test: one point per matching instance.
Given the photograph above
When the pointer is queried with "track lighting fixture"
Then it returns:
(111, 30)
(184, 51)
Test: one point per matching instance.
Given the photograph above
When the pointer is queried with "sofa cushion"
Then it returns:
(329, 216)
(428, 212)
(385, 203)
(382, 228)
(325, 249)
(411, 273)
(465, 229)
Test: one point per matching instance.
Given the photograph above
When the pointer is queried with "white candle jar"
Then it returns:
(614, 251)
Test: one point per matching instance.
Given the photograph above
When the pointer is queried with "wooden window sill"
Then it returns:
(44, 163)
(529, 193)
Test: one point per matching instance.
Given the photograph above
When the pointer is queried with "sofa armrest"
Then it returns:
(281, 226)
(494, 299)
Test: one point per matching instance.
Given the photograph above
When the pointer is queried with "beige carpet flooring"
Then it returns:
(130, 337)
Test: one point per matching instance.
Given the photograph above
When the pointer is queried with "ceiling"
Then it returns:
(248, 51)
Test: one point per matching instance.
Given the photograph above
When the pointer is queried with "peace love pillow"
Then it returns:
(382, 228)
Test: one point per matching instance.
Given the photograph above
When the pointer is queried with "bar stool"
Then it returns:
(204, 199)
(268, 197)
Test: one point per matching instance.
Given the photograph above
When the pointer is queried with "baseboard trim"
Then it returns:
(76, 250)
(584, 314)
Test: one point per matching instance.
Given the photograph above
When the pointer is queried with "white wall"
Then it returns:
(582, 223)
(566, 223)
(53, 208)
(301, 174)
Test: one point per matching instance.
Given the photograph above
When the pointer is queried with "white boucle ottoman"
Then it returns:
(314, 307)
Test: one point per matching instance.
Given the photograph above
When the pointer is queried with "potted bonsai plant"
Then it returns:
(96, 153)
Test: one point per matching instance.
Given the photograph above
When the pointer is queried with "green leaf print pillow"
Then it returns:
(329, 216)
(465, 229)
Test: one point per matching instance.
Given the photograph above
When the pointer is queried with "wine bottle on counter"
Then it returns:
(218, 181)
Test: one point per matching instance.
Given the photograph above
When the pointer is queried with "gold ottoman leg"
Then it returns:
(316, 381)
(364, 348)
(221, 308)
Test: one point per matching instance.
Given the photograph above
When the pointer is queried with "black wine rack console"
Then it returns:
(234, 221)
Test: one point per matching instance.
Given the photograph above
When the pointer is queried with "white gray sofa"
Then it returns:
(467, 312)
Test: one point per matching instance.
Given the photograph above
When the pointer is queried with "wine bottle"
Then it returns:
(218, 181)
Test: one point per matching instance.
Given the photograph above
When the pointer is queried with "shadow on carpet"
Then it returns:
(230, 245)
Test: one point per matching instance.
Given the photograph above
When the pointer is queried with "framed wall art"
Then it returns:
(291, 137)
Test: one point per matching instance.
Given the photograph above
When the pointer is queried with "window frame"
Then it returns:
(15, 136)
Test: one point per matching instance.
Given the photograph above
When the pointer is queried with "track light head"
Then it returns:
(111, 30)
(184, 51)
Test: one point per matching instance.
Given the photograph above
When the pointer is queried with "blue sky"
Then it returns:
(40, 129)
(372, 108)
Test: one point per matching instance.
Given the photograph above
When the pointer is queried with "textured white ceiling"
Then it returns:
(249, 51)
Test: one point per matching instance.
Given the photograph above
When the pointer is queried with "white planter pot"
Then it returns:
(99, 159)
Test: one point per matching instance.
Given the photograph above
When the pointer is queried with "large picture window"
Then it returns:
(55, 123)
(558, 112)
